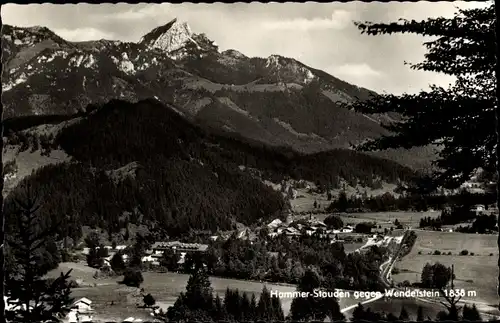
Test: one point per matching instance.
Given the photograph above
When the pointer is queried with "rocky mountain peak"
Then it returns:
(170, 37)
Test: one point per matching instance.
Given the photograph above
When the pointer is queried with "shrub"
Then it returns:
(437, 252)
(464, 252)
(472, 254)
(132, 278)
(149, 300)
(449, 253)
(420, 252)
(491, 254)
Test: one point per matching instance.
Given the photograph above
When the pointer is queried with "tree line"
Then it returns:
(461, 202)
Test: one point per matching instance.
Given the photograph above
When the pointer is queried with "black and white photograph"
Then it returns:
(250, 162)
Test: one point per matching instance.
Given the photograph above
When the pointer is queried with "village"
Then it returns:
(82, 310)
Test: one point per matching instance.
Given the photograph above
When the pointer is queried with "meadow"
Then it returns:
(473, 273)
(113, 301)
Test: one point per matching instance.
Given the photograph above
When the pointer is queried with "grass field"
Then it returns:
(165, 287)
(386, 219)
(394, 305)
(473, 273)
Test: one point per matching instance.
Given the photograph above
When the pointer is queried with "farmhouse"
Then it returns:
(347, 229)
(478, 208)
(160, 247)
(13, 305)
(275, 223)
(83, 305)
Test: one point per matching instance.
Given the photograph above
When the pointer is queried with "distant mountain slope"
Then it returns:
(144, 163)
(276, 100)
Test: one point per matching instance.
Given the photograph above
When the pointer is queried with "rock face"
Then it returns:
(276, 100)
(170, 37)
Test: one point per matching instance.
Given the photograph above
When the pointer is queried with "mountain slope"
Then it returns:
(276, 100)
(143, 163)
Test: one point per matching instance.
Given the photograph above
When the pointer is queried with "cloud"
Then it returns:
(339, 20)
(84, 34)
(356, 70)
(151, 11)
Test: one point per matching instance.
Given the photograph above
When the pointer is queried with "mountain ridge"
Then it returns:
(206, 85)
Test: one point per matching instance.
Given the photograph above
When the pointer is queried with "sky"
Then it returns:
(319, 35)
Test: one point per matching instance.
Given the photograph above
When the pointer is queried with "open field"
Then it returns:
(165, 287)
(394, 305)
(305, 200)
(386, 219)
(473, 273)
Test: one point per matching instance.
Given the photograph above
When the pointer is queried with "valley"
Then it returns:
(176, 180)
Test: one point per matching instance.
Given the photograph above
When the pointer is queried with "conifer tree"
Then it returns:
(278, 314)
(197, 303)
(253, 307)
(464, 47)
(264, 306)
(358, 313)
(33, 297)
(403, 316)
(420, 314)
(311, 307)
(219, 310)
(471, 314)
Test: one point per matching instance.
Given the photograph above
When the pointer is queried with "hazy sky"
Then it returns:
(322, 36)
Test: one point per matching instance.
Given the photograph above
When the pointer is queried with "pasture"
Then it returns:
(473, 273)
(112, 301)
(386, 219)
(394, 305)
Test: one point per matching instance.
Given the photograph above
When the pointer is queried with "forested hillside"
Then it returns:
(144, 163)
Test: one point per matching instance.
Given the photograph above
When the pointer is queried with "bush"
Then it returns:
(406, 283)
(363, 227)
(464, 252)
(437, 252)
(491, 254)
(420, 252)
(472, 254)
(149, 300)
(73, 284)
(449, 253)
(334, 221)
(132, 278)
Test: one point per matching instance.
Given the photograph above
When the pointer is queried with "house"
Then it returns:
(152, 259)
(291, 232)
(347, 229)
(273, 234)
(121, 247)
(478, 208)
(72, 316)
(83, 305)
(275, 223)
(86, 251)
(214, 238)
(13, 305)
(160, 247)
(246, 234)
(318, 223)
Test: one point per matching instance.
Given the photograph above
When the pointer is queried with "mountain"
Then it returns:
(143, 163)
(276, 100)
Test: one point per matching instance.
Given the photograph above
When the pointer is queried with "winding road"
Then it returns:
(385, 271)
